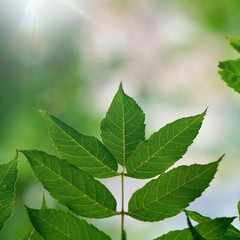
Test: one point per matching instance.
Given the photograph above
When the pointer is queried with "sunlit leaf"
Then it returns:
(8, 178)
(86, 152)
(71, 186)
(209, 230)
(152, 157)
(123, 128)
(171, 192)
(59, 225)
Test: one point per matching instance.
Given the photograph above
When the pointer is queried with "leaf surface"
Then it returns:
(33, 234)
(235, 43)
(155, 155)
(209, 230)
(232, 233)
(71, 186)
(230, 73)
(123, 127)
(85, 152)
(171, 192)
(59, 225)
(8, 178)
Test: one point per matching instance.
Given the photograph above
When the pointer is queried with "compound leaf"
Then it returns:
(152, 157)
(232, 233)
(53, 224)
(123, 127)
(171, 192)
(71, 186)
(209, 230)
(86, 152)
(8, 178)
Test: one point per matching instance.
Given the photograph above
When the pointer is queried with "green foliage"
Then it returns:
(72, 186)
(123, 128)
(53, 224)
(194, 232)
(171, 192)
(8, 177)
(231, 233)
(87, 153)
(209, 230)
(155, 155)
(71, 179)
(230, 69)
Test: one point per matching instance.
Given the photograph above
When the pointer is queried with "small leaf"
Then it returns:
(171, 192)
(152, 157)
(71, 186)
(194, 232)
(85, 152)
(59, 225)
(33, 234)
(8, 178)
(238, 209)
(234, 42)
(123, 127)
(230, 73)
(232, 233)
(209, 230)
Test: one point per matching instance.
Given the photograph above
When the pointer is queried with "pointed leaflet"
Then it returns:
(235, 43)
(232, 233)
(59, 225)
(192, 229)
(152, 157)
(209, 230)
(8, 178)
(123, 128)
(33, 234)
(230, 70)
(171, 192)
(86, 152)
(71, 186)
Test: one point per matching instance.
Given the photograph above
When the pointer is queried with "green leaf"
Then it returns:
(59, 225)
(194, 232)
(123, 128)
(234, 42)
(8, 178)
(209, 230)
(33, 234)
(171, 192)
(71, 186)
(230, 73)
(85, 152)
(238, 209)
(152, 157)
(232, 233)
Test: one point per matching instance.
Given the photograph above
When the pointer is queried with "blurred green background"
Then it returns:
(68, 57)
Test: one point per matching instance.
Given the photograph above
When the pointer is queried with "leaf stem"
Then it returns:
(123, 235)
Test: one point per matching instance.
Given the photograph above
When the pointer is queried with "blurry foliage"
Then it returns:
(221, 16)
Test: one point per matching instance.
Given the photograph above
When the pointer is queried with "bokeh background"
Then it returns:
(69, 56)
